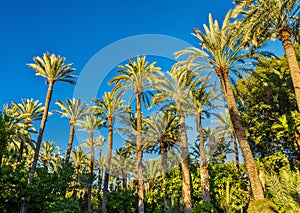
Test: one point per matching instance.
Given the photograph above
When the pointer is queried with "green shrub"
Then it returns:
(262, 206)
(204, 207)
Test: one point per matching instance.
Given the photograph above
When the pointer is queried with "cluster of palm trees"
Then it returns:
(184, 91)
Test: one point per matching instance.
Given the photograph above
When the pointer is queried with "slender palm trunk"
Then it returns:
(107, 165)
(21, 150)
(41, 131)
(139, 154)
(205, 187)
(256, 186)
(76, 183)
(164, 165)
(124, 177)
(163, 156)
(184, 152)
(71, 138)
(91, 134)
(100, 172)
(285, 37)
(236, 151)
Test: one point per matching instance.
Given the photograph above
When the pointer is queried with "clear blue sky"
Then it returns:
(77, 30)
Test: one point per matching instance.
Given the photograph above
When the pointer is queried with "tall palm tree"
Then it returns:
(74, 109)
(124, 164)
(173, 88)
(52, 68)
(27, 111)
(110, 107)
(79, 158)
(202, 99)
(98, 143)
(282, 21)
(227, 123)
(90, 123)
(217, 142)
(139, 75)
(50, 155)
(224, 52)
(162, 130)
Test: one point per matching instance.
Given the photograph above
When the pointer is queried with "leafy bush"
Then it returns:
(204, 207)
(262, 206)
(63, 205)
(285, 190)
(121, 201)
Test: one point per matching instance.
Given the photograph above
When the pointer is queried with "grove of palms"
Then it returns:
(198, 136)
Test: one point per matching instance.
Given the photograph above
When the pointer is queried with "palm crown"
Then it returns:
(73, 109)
(137, 74)
(262, 25)
(53, 68)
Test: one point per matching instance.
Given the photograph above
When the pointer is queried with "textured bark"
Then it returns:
(71, 138)
(124, 176)
(163, 156)
(76, 182)
(139, 154)
(41, 131)
(21, 150)
(240, 133)
(164, 165)
(107, 166)
(205, 187)
(184, 152)
(236, 151)
(100, 172)
(91, 134)
(285, 37)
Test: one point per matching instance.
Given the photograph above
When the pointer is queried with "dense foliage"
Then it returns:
(247, 159)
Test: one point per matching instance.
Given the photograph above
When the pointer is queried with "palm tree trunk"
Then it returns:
(236, 151)
(139, 154)
(21, 150)
(76, 183)
(164, 165)
(124, 177)
(41, 131)
(205, 187)
(100, 173)
(285, 37)
(240, 133)
(91, 134)
(184, 152)
(107, 166)
(71, 138)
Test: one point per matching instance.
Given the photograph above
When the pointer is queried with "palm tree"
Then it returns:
(162, 130)
(52, 68)
(202, 99)
(174, 88)
(137, 74)
(90, 123)
(282, 21)
(98, 143)
(27, 111)
(110, 107)
(74, 109)
(152, 171)
(225, 52)
(123, 163)
(226, 122)
(217, 142)
(49, 155)
(79, 158)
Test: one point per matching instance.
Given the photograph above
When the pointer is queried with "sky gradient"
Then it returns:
(77, 30)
